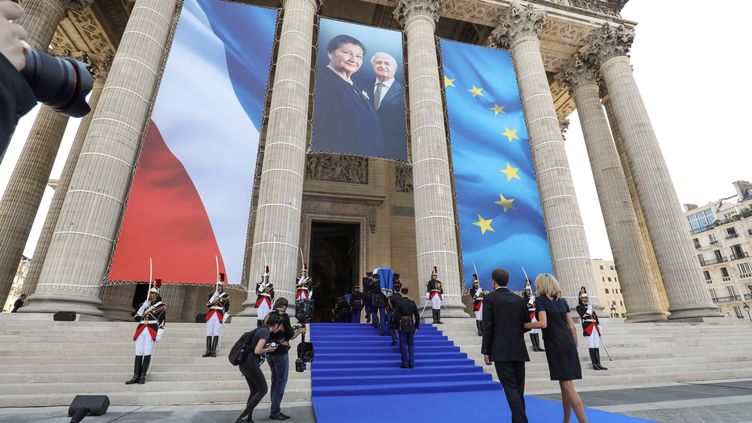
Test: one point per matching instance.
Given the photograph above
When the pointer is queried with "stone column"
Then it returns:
(518, 31)
(99, 70)
(641, 297)
(83, 239)
(28, 181)
(276, 233)
(666, 224)
(435, 232)
(188, 313)
(174, 297)
(117, 301)
(655, 274)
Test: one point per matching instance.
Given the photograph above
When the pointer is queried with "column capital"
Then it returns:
(409, 9)
(609, 42)
(79, 5)
(100, 66)
(519, 22)
(577, 74)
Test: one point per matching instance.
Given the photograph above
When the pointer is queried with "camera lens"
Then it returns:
(61, 83)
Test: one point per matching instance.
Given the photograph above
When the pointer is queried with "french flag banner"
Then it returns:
(190, 199)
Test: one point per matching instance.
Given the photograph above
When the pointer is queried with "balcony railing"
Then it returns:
(748, 296)
(715, 260)
(740, 255)
(745, 275)
(727, 278)
(713, 241)
(728, 299)
(732, 236)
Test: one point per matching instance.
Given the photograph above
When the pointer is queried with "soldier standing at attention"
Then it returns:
(219, 310)
(534, 333)
(151, 320)
(396, 284)
(264, 297)
(436, 295)
(477, 293)
(591, 329)
(408, 320)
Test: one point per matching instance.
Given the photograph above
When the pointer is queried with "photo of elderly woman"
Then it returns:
(352, 85)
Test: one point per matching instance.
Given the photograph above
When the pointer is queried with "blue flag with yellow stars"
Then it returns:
(498, 205)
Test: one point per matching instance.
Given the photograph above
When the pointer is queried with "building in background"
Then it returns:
(17, 286)
(609, 288)
(721, 233)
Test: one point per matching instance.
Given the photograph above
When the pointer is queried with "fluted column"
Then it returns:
(23, 194)
(117, 301)
(188, 313)
(276, 234)
(99, 69)
(655, 273)
(174, 297)
(666, 224)
(641, 297)
(518, 31)
(83, 239)
(436, 237)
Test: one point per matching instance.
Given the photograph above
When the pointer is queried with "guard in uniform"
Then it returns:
(396, 284)
(477, 293)
(303, 285)
(379, 310)
(392, 301)
(367, 287)
(407, 317)
(219, 310)
(264, 297)
(534, 333)
(590, 329)
(151, 320)
(357, 300)
(435, 294)
(374, 292)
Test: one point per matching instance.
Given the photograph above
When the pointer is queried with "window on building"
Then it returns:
(724, 272)
(603, 278)
(749, 288)
(616, 280)
(701, 220)
(737, 252)
(718, 256)
(609, 279)
(706, 274)
(713, 294)
(745, 270)
(738, 311)
(601, 267)
(731, 232)
(701, 259)
(606, 290)
(731, 291)
(712, 240)
(621, 302)
(611, 267)
(697, 243)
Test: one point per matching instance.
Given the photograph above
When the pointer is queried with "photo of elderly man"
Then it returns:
(389, 101)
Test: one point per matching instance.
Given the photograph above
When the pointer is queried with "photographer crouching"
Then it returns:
(279, 360)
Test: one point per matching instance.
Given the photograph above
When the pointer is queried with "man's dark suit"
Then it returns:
(504, 314)
(391, 113)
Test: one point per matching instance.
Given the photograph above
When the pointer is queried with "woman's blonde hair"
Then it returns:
(546, 284)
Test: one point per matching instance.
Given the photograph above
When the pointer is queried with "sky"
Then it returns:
(690, 66)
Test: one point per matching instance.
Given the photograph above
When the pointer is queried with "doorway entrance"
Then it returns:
(140, 295)
(335, 264)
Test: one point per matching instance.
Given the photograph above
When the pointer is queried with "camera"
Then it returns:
(303, 311)
(61, 83)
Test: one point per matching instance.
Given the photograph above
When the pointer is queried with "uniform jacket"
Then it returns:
(406, 308)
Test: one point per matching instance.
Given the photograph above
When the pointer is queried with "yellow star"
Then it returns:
(511, 172)
(475, 91)
(497, 109)
(448, 82)
(511, 134)
(484, 225)
(505, 202)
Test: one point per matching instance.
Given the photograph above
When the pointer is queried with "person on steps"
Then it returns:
(391, 306)
(357, 300)
(407, 317)
(279, 360)
(264, 297)
(367, 287)
(151, 317)
(219, 310)
(435, 294)
(477, 293)
(534, 333)
(591, 329)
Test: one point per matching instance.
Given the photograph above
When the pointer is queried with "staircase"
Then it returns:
(46, 363)
(644, 353)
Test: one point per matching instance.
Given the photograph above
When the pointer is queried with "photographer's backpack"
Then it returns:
(241, 349)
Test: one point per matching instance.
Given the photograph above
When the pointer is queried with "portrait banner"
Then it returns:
(190, 199)
(359, 100)
(498, 203)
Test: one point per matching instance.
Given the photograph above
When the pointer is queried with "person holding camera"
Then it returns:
(279, 360)
(251, 365)
(408, 320)
(16, 96)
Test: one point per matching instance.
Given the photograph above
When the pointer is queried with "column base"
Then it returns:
(52, 302)
(249, 309)
(648, 316)
(448, 310)
(693, 311)
(117, 312)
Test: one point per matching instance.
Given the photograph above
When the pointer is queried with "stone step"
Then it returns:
(158, 374)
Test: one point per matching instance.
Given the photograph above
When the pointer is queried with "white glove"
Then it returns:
(226, 316)
(428, 295)
(531, 300)
(589, 309)
(159, 335)
(143, 308)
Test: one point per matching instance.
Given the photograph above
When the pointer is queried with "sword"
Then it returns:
(527, 278)
(606, 349)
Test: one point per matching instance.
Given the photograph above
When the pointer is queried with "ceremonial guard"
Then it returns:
(151, 320)
(590, 329)
(219, 310)
(264, 297)
(367, 287)
(357, 300)
(477, 293)
(378, 299)
(435, 294)
(407, 319)
(303, 285)
(392, 302)
(534, 333)
(396, 284)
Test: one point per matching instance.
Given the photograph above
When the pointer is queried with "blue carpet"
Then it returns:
(356, 375)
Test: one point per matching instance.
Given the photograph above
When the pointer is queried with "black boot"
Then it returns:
(433, 315)
(136, 371)
(144, 369)
(259, 323)
(208, 347)
(214, 343)
(598, 359)
(536, 342)
(438, 317)
(593, 360)
(244, 418)
(478, 326)
(533, 343)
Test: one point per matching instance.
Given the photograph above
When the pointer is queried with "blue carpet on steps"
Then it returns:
(356, 375)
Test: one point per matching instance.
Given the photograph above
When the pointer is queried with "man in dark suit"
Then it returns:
(389, 101)
(504, 314)
(407, 317)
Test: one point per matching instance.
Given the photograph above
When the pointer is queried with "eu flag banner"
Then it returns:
(498, 205)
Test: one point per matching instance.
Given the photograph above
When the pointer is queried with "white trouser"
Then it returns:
(594, 340)
(534, 331)
(436, 302)
(144, 343)
(479, 313)
(214, 326)
(262, 310)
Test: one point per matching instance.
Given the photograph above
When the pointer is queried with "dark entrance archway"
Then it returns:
(335, 252)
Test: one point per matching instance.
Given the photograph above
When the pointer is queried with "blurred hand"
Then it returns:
(12, 36)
